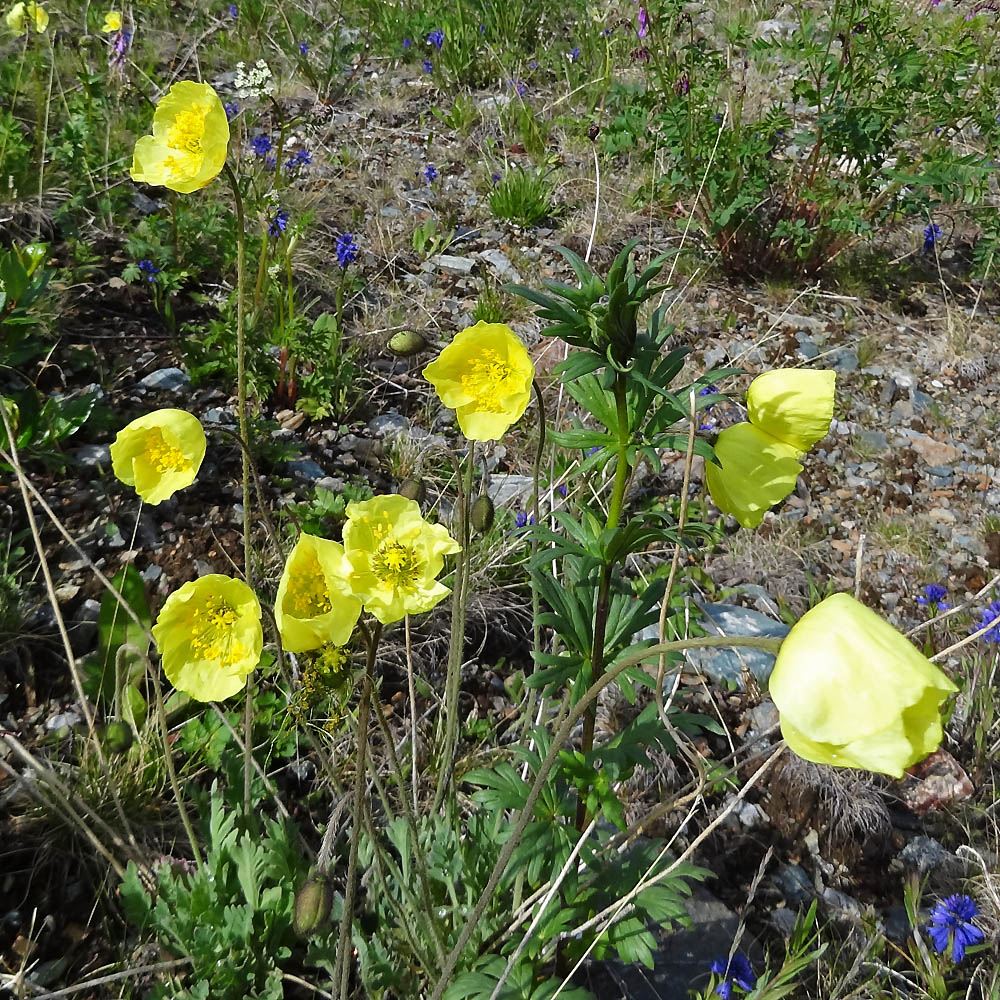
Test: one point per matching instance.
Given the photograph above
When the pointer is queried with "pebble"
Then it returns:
(166, 380)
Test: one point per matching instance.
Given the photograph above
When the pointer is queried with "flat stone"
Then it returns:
(510, 490)
(93, 456)
(724, 665)
(305, 468)
(388, 425)
(501, 264)
(934, 452)
(450, 264)
(872, 440)
(166, 380)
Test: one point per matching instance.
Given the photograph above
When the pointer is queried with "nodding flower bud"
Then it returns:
(413, 489)
(406, 343)
(117, 737)
(482, 514)
(312, 905)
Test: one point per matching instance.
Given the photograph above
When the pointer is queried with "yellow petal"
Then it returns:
(793, 405)
(209, 636)
(112, 21)
(16, 19)
(159, 453)
(853, 692)
(756, 471)
(395, 557)
(485, 375)
(314, 605)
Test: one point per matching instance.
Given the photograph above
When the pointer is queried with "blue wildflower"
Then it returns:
(522, 520)
(430, 173)
(932, 235)
(482, 29)
(593, 451)
(232, 109)
(300, 158)
(347, 249)
(933, 596)
(989, 615)
(574, 53)
(436, 38)
(407, 42)
(562, 490)
(496, 179)
(261, 145)
(270, 162)
(304, 48)
(233, 11)
(951, 922)
(736, 972)
(533, 64)
(428, 66)
(278, 224)
(518, 85)
(148, 268)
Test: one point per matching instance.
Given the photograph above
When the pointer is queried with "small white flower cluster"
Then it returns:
(254, 82)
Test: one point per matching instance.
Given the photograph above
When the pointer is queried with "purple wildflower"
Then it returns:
(989, 615)
(522, 520)
(407, 42)
(119, 46)
(261, 145)
(428, 66)
(304, 48)
(278, 224)
(951, 922)
(932, 235)
(737, 971)
(518, 85)
(270, 162)
(233, 11)
(496, 179)
(574, 53)
(300, 158)
(643, 22)
(347, 250)
(933, 596)
(232, 109)
(436, 38)
(430, 173)
(148, 268)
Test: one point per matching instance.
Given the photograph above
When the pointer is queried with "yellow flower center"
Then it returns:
(161, 455)
(484, 380)
(187, 130)
(212, 635)
(307, 595)
(395, 565)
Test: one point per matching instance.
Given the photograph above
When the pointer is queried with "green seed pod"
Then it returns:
(481, 515)
(117, 736)
(413, 489)
(406, 343)
(312, 905)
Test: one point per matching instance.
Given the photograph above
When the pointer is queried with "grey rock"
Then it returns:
(714, 357)
(872, 440)
(388, 425)
(390, 212)
(501, 264)
(924, 855)
(840, 902)
(726, 665)
(166, 380)
(921, 401)
(898, 386)
(152, 573)
(93, 456)
(845, 360)
(783, 920)
(896, 924)
(332, 483)
(762, 718)
(510, 490)
(794, 884)
(773, 28)
(450, 264)
(218, 415)
(305, 468)
(145, 205)
(70, 718)
(807, 351)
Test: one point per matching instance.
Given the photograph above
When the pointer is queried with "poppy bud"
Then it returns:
(312, 905)
(117, 737)
(406, 343)
(482, 513)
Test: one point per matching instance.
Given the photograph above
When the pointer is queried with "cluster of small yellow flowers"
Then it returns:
(325, 677)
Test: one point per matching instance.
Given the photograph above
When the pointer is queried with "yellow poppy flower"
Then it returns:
(19, 15)
(209, 636)
(484, 375)
(395, 557)
(853, 692)
(189, 142)
(112, 21)
(756, 471)
(790, 410)
(315, 605)
(159, 453)
(793, 405)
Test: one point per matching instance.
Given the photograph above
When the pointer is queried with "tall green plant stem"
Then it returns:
(241, 414)
(622, 470)
(766, 643)
(456, 646)
(342, 969)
